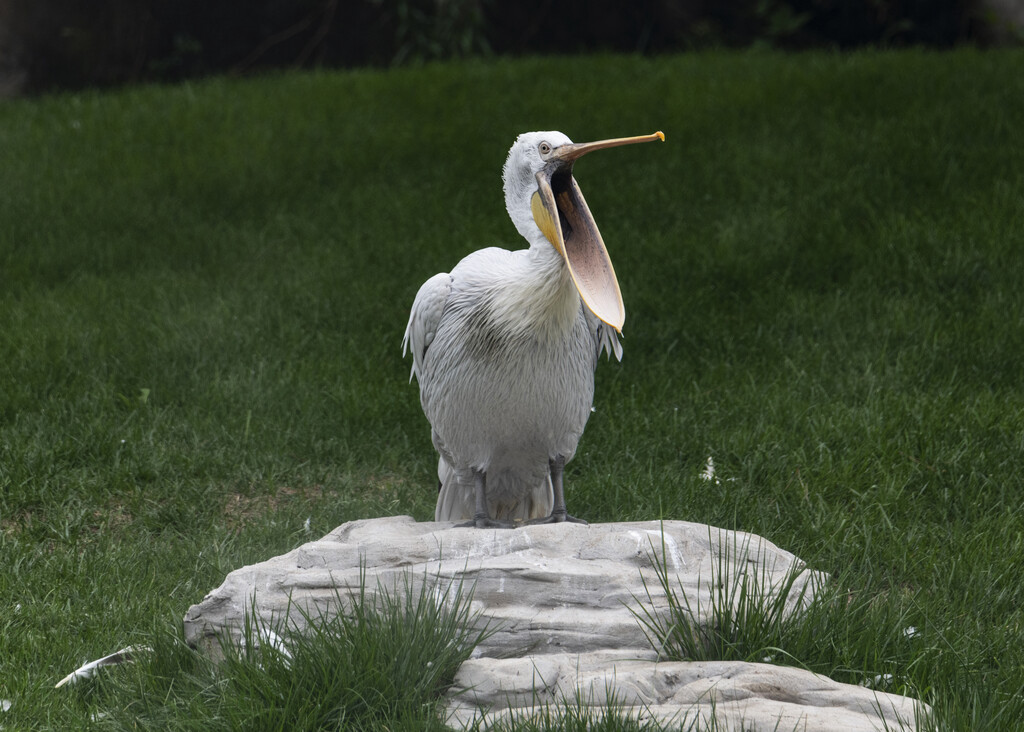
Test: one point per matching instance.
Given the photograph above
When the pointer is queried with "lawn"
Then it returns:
(203, 290)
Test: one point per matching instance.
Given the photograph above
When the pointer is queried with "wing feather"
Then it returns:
(605, 337)
(608, 341)
(424, 318)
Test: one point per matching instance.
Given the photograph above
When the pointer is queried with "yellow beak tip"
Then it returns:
(661, 135)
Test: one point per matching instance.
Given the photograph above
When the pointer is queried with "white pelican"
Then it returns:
(505, 345)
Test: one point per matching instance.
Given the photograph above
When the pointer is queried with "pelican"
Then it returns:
(505, 345)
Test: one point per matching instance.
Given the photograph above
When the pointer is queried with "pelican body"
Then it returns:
(505, 345)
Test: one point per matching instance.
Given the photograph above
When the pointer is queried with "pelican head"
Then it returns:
(545, 203)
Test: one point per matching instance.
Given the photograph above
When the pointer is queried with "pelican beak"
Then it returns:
(563, 216)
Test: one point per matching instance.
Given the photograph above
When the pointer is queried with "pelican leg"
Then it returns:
(481, 519)
(558, 510)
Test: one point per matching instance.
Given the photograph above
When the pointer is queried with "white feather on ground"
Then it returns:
(125, 655)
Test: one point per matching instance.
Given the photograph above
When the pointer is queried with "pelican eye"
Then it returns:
(545, 148)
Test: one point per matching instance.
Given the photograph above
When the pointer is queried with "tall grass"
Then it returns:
(748, 615)
(383, 663)
(815, 623)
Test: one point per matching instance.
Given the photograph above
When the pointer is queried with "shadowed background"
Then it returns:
(50, 44)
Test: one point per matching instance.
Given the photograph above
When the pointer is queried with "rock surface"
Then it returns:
(754, 697)
(559, 600)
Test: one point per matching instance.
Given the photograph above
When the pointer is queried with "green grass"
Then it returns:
(381, 666)
(813, 623)
(203, 290)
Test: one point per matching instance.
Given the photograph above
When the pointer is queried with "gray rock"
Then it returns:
(558, 598)
(756, 697)
(545, 589)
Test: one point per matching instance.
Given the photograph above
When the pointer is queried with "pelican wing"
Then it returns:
(605, 337)
(424, 318)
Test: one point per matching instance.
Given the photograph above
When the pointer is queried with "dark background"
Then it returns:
(70, 44)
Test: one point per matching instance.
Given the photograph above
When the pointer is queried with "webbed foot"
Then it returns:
(558, 513)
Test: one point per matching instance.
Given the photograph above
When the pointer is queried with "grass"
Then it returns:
(795, 621)
(203, 291)
(580, 714)
(381, 666)
(749, 617)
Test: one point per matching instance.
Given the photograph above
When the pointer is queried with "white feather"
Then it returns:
(125, 655)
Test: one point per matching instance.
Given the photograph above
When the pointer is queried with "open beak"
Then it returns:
(563, 215)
